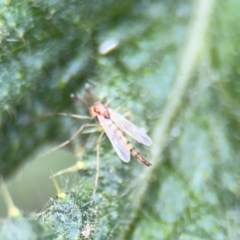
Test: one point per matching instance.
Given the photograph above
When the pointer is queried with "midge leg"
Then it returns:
(79, 164)
(73, 136)
(69, 115)
(73, 115)
(128, 115)
(97, 164)
(76, 167)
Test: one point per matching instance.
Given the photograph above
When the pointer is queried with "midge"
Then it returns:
(111, 122)
(107, 118)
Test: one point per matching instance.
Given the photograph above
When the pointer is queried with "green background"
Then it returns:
(175, 69)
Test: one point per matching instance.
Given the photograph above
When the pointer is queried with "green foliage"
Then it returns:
(69, 217)
(16, 228)
(176, 70)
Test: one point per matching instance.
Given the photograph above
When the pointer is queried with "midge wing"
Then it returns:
(118, 141)
(129, 128)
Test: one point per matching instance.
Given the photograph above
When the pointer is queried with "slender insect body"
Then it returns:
(107, 118)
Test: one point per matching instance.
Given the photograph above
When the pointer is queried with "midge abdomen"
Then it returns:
(139, 157)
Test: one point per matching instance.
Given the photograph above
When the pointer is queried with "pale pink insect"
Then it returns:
(107, 118)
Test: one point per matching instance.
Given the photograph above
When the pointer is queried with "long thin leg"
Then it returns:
(97, 164)
(73, 115)
(69, 140)
(79, 165)
(69, 115)
(107, 103)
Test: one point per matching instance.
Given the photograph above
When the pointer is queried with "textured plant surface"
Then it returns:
(176, 69)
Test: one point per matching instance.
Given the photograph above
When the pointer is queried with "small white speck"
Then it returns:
(108, 45)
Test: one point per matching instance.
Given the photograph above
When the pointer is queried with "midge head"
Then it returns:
(91, 103)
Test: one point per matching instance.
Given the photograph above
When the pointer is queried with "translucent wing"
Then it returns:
(129, 128)
(118, 141)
